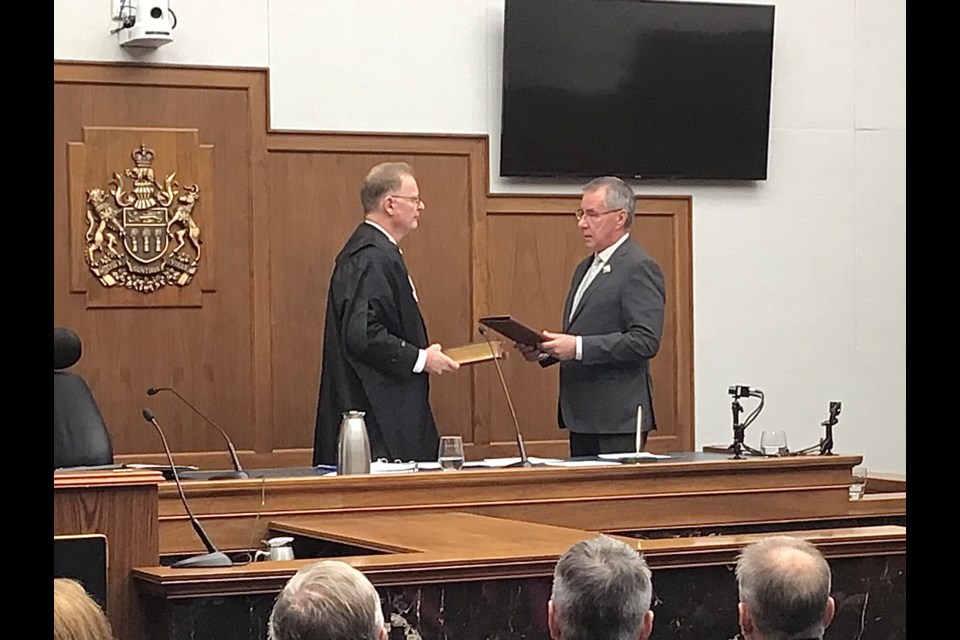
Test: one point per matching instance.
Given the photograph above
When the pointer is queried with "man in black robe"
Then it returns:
(375, 350)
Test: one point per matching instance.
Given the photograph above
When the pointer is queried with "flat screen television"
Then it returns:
(636, 89)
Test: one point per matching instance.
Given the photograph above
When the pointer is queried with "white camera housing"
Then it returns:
(153, 23)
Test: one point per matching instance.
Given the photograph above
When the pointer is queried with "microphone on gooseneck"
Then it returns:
(213, 558)
(524, 461)
(238, 471)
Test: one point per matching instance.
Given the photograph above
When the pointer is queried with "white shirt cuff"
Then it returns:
(579, 347)
(421, 362)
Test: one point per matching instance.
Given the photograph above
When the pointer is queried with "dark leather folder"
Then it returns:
(518, 332)
(513, 329)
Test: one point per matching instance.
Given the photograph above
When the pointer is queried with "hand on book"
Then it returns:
(438, 361)
(561, 346)
(529, 353)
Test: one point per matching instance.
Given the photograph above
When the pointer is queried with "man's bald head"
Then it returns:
(784, 589)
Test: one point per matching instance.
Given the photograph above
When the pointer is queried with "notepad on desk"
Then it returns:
(633, 455)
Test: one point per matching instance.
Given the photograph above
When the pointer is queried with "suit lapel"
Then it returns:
(608, 267)
(578, 274)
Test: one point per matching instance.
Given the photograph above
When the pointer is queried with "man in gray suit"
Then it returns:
(612, 323)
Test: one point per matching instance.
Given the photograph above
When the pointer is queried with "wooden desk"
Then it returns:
(123, 506)
(458, 559)
(693, 489)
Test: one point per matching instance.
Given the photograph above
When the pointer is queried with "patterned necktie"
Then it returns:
(587, 279)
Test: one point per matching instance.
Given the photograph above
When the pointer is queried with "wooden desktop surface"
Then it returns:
(449, 547)
(693, 489)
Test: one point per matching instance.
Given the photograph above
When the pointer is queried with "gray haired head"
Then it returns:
(329, 600)
(601, 591)
(380, 181)
(618, 195)
(784, 583)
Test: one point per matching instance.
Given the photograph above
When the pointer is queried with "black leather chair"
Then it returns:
(80, 437)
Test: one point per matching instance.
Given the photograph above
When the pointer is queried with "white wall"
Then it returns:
(799, 280)
(208, 33)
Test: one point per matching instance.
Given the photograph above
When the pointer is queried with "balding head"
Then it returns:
(329, 600)
(784, 588)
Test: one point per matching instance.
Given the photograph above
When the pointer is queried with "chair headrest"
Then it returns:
(66, 348)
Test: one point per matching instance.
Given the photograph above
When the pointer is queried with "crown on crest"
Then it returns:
(143, 156)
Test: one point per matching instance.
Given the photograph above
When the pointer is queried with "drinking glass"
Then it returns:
(773, 443)
(858, 483)
(450, 455)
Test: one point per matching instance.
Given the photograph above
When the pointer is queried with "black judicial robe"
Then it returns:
(371, 342)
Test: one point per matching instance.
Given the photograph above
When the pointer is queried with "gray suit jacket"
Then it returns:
(620, 317)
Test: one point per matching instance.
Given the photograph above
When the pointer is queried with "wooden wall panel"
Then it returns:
(531, 261)
(311, 221)
(249, 354)
(205, 352)
(534, 246)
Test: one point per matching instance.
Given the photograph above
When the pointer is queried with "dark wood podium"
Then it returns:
(122, 505)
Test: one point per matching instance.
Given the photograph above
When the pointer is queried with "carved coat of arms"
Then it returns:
(142, 235)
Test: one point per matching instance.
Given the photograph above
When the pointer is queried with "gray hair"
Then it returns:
(329, 600)
(601, 590)
(380, 181)
(618, 195)
(785, 584)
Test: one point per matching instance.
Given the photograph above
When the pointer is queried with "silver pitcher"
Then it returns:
(277, 549)
(353, 446)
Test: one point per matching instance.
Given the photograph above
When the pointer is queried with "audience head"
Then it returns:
(76, 616)
(784, 588)
(329, 600)
(601, 591)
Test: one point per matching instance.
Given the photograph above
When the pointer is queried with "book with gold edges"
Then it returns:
(476, 352)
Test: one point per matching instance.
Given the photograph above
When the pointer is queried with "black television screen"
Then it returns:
(636, 89)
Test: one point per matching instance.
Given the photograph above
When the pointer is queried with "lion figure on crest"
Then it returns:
(182, 216)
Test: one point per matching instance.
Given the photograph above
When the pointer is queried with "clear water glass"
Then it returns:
(774, 443)
(450, 455)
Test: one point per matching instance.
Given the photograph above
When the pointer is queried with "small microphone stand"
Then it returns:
(524, 461)
(825, 446)
(739, 446)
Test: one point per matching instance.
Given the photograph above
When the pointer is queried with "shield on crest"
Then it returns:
(146, 239)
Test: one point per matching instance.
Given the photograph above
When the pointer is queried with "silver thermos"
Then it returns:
(353, 446)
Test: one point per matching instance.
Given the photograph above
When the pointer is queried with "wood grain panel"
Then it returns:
(311, 224)
(124, 509)
(109, 152)
(470, 547)
(534, 247)
(206, 351)
(705, 488)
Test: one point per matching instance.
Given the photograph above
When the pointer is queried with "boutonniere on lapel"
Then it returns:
(606, 269)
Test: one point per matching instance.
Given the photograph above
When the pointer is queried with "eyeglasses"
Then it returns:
(592, 215)
(416, 200)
